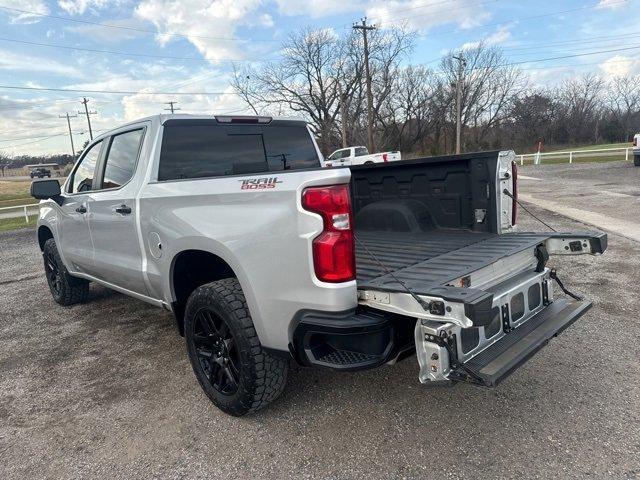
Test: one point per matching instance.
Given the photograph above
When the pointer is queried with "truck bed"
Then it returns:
(424, 260)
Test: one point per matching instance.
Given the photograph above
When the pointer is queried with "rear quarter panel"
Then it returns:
(264, 235)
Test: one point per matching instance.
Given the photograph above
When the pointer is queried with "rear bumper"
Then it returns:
(354, 340)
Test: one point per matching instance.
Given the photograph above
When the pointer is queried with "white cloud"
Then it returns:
(36, 6)
(420, 15)
(209, 25)
(20, 62)
(620, 66)
(500, 36)
(78, 7)
(611, 4)
(319, 8)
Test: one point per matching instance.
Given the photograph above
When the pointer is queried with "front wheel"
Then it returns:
(636, 160)
(233, 369)
(65, 289)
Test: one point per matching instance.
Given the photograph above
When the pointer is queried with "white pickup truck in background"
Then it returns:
(636, 149)
(359, 156)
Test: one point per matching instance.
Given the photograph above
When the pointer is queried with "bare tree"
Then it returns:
(317, 72)
(304, 82)
(582, 105)
(488, 84)
(623, 99)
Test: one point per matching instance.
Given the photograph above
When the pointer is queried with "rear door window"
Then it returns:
(82, 179)
(122, 158)
(197, 151)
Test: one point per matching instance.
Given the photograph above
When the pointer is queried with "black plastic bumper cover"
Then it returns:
(355, 340)
(503, 357)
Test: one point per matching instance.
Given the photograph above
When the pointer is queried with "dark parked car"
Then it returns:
(40, 173)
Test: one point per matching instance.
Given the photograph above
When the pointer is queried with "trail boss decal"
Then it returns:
(263, 183)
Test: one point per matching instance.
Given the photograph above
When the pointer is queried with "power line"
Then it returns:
(508, 64)
(505, 22)
(123, 27)
(131, 92)
(131, 54)
(395, 11)
(118, 92)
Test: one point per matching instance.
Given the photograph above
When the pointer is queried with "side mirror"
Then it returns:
(44, 189)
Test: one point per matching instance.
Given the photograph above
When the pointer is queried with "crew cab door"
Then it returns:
(74, 235)
(340, 157)
(118, 257)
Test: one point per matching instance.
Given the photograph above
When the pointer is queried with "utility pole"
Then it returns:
(365, 29)
(461, 66)
(171, 106)
(343, 116)
(67, 116)
(87, 112)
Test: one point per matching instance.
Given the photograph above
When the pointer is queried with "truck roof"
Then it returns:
(162, 118)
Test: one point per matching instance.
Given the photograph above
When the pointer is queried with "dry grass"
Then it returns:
(12, 190)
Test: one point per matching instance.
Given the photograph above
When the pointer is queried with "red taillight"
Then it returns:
(333, 250)
(384, 157)
(514, 200)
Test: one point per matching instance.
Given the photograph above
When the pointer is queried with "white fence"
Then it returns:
(571, 156)
(25, 210)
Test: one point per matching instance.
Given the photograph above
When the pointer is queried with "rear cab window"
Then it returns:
(361, 152)
(206, 148)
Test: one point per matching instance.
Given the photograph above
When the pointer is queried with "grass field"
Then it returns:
(7, 224)
(14, 190)
(582, 154)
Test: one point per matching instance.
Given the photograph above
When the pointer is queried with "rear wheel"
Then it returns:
(65, 289)
(237, 375)
(636, 160)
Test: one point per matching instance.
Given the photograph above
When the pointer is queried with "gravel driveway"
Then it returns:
(105, 390)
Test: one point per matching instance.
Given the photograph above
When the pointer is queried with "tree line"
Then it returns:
(321, 78)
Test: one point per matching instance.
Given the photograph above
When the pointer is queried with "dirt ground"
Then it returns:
(105, 389)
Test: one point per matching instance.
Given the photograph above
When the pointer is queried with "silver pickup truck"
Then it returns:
(265, 258)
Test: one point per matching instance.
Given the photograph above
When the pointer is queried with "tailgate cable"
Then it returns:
(509, 194)
(472, 375)
(426, 306)
(553, 274)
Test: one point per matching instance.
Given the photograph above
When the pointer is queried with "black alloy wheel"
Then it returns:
(217, 351)
(53, 273)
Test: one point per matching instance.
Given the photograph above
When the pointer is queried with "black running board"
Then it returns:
(503, 357)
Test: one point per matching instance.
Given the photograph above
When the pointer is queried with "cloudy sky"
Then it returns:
(188, 46)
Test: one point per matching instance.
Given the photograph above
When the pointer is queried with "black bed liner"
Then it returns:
(427, 260)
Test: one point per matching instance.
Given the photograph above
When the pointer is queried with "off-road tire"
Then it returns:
(65, 289)
(262, 377)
